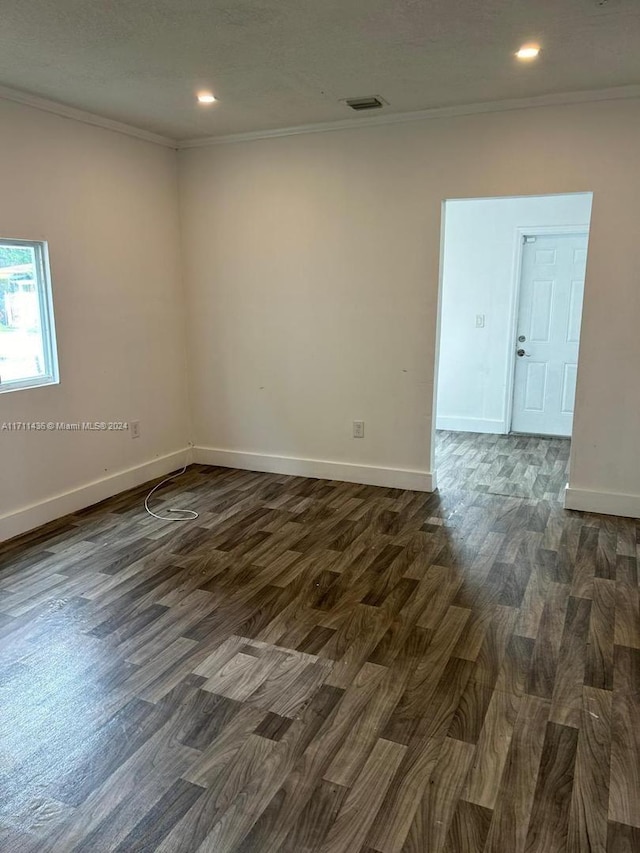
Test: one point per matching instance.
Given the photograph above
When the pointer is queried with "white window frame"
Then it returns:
(51, 375)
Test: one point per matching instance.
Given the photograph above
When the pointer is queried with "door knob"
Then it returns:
(521, 352)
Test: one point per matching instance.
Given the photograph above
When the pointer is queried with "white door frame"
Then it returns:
(522, 232)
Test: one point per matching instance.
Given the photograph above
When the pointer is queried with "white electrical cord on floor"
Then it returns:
(188, 514)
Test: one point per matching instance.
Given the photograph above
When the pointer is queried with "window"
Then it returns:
(27, 338)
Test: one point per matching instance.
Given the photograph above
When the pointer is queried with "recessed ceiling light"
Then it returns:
(206, 98)
(528, 51)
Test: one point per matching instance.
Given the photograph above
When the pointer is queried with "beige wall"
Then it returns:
(313, 268)
(107, 204)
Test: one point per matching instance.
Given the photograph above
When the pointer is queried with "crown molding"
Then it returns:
(562, 99)
(38, 103)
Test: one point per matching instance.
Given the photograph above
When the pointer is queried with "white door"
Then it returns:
(548, 333)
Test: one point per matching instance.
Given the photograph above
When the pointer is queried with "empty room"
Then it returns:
(319, 418)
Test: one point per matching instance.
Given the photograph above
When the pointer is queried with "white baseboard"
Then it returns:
(396, 478)
(29, 517)
(471, 425)
(607, 503)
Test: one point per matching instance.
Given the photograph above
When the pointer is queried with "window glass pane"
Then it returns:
(22, 345)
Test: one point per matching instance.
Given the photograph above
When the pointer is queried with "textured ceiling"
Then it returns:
(278, 63)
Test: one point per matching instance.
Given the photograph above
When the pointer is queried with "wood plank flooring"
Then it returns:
(321, 667)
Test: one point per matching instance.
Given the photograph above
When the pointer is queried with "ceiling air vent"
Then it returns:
(374, 102)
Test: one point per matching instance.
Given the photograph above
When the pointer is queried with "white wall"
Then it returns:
(107, 204)
(479, 277)
(313, 269)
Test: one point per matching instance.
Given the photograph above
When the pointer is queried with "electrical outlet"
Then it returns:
(358, 429)
(135, 429)
(479, 321)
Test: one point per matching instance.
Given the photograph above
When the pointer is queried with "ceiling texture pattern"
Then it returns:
(281, 63)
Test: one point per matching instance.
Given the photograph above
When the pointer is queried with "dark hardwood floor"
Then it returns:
(319, 666)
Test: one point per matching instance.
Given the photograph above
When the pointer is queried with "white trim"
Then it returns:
(459, 424)
(561, 99)
(397, 478)
(28, 100)
(523, 231)
(30, 517)
(606, 503)
(438, 339)
(27, 384)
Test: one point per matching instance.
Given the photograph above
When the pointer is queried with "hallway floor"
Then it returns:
(520, 466)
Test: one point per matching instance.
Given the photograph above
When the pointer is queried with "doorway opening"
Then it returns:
(510, 309)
